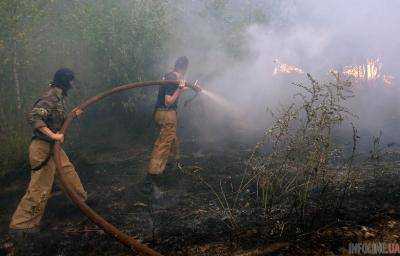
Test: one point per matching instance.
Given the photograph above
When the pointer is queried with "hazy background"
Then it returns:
(315, 36)
(231, 45)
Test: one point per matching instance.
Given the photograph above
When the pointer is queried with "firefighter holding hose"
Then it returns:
(46, 118)
(167, 143)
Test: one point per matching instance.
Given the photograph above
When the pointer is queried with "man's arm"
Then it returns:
(170, 99)
(37, 118)
(54, 136)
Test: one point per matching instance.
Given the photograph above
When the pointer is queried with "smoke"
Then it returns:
(320, 35)
(313, 35)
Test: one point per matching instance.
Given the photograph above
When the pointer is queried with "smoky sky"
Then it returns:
(315, 35)
(345, 32)
(320, 35)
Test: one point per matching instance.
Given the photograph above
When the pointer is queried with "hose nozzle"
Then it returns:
(195, 86)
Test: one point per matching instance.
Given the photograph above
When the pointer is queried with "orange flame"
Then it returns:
(283, 68)
(369, 71)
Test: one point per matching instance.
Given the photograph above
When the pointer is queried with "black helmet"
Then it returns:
(62, 79)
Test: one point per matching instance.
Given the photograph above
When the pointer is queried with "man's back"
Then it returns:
(168, 90)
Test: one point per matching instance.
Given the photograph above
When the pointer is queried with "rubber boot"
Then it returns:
(152, 186)
(157, 187)
(147, 186)
(20, 234)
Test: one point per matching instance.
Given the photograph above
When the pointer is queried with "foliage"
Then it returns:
(302, 147)
(297, 172)
(107, 43)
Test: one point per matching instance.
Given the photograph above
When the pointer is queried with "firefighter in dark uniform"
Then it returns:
(167, 143)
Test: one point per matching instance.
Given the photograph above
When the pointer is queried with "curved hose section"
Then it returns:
(77, 200)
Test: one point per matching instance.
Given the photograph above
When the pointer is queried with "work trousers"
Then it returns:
(32, 205)
(167, 143)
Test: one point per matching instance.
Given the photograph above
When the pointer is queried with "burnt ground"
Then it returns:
(192, 221)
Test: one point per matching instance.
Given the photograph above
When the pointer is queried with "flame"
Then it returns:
(369, 71)
(283, 68)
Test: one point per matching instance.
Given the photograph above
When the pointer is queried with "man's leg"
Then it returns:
(69, 172)
(31, 207)
(163, 145)
(166, 120)
(175, 151)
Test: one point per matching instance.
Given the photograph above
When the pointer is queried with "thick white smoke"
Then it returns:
(313, 35)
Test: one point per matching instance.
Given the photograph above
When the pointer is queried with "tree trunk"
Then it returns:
(250, 12)
(16, 78)
(3, 119)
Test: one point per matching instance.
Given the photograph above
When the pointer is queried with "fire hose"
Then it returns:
(123, 238)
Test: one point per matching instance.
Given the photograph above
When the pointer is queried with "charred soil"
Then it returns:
(190, 219)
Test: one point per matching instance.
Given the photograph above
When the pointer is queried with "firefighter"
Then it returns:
(165, 115)
(46, 117)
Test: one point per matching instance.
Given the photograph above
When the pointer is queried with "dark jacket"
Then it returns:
(168, 90)
(48, 110)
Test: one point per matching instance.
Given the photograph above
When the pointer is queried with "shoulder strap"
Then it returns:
(37, 101)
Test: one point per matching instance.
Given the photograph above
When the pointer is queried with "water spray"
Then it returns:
(196, 88)
(222, 102)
